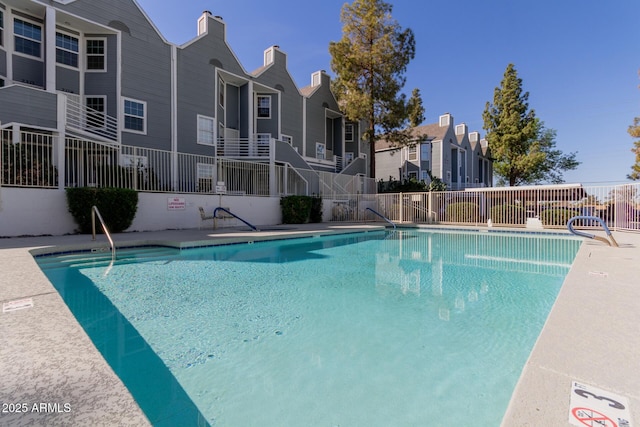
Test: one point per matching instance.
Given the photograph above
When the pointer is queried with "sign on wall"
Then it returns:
(176, 204)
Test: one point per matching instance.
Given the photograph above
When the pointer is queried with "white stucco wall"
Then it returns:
(36, 212)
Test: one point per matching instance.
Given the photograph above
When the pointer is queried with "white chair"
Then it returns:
(204, 217)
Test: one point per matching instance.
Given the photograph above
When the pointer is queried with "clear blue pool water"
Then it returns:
(372, 329)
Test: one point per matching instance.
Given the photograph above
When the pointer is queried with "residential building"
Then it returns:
(93, 73)
(446, 151)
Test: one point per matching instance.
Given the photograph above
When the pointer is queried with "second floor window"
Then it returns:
(413, 152)
(205, 130)
(28, 38)
(96, 56)
(425, 152)
(348, 132)
(134, 115)
(264, 106)
(66, 50)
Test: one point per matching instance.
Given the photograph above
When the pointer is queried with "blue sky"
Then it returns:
(578, 59)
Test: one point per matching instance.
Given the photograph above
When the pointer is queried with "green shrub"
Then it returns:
(508, 214)
(117, 206)
(557, 216)
(295, 209)
(462, 212)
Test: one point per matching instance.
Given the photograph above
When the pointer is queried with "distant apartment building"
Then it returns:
(446, 151)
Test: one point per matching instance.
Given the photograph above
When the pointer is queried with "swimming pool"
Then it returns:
(407, 328)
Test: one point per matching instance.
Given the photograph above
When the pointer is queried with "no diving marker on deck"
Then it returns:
(593, 407)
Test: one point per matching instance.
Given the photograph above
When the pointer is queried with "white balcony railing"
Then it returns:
(244, 147)
(88, 121)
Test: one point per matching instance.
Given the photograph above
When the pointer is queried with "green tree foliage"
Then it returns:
(523, 149)
(370, 62)
(634, 131)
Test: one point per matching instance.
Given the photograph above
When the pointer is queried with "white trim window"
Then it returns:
(205, 173)
(263, 106)
(135, 116)
(321, 151)
(288, 139)
(96, 54)
(206, 134)
(425, 152)
(413, 152)
(67, 49)
(348, 157)
(27, 38)
(348, 132)
(95, 110)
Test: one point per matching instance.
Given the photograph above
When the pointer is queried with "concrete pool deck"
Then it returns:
(53, 375)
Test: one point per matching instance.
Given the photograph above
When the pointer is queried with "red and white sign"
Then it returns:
(593, 407)
(176, 204)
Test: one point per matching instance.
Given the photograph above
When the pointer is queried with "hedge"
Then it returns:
(508, 214)
(117, 207)
(462, 212)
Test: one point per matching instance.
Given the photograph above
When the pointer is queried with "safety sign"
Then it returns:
(593, 407)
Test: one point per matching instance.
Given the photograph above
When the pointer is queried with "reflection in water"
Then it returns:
(229, 334)
(415, 265)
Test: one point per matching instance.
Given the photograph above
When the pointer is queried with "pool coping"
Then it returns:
(78, 387)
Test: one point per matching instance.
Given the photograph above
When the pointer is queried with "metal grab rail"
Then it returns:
(381, 216)
(94, 212)
(215, 212)
(610, 242)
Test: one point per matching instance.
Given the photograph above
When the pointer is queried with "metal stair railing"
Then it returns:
(95, 212)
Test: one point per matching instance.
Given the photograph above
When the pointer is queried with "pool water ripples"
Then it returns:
(424, 329)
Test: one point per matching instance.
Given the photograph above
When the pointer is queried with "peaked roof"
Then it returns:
(432, 132)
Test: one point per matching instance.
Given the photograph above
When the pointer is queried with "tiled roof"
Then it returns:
(308, 90)
(432, 131)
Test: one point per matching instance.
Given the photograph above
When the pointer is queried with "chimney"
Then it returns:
(203, 24)
(461, 129)
(445, 120)
(474, 136)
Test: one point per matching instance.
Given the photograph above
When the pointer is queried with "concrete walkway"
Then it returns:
(53, 375)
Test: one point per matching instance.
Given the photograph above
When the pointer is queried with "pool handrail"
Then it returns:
(610, 242)
(381, 216)
(95, 212)
(219, 208)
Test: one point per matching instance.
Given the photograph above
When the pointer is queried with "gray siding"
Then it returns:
(146, 69)
(291, 117)
(197, 86)
(67, 80)
(105, 83)
(270, 125)
(27, 70)
(286, 154)
(29, 106)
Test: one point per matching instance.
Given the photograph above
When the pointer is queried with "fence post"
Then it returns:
(59, 142)
(401, 209)
(272, 167)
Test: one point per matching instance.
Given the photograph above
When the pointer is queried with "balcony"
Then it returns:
(89, 122)
(258, 148)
